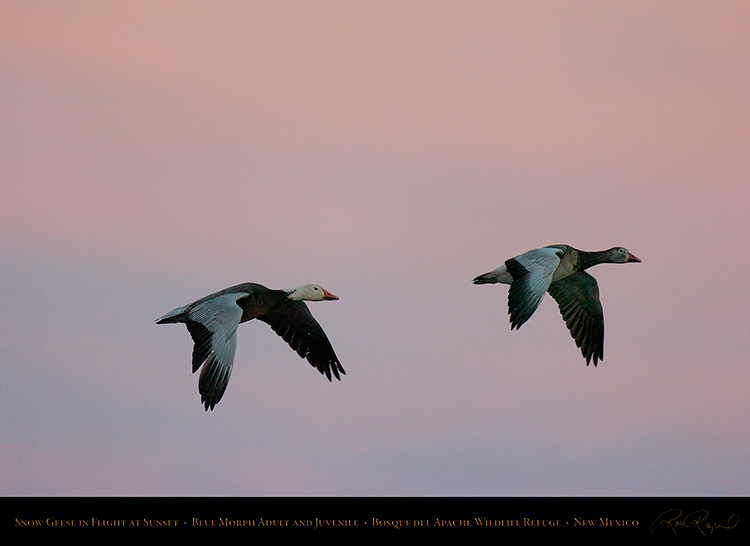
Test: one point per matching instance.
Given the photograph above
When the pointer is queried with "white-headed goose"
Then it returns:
(212, 322)
(559, 270)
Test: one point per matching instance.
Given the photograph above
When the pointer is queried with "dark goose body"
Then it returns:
(559, 270)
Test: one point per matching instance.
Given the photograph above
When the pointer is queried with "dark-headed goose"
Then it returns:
(559, 270)
(212, 322)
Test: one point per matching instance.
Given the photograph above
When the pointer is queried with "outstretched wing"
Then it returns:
(577, 296)
(213, 327)
(296, 325)
(532, 274)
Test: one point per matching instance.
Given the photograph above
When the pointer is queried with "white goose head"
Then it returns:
(310, 292)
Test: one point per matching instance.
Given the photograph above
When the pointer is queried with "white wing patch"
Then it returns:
(220, 316)
(529, 286)
(541, 264)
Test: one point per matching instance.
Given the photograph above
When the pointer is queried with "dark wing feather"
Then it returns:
(213, 381)
(213, 325)
(522, 300)
(577, 296)
(202, 342)
(294, 323)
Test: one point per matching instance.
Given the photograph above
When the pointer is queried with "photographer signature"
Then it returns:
(674, 520)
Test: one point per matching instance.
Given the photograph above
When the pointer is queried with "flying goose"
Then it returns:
(212, 322)
(559, 270)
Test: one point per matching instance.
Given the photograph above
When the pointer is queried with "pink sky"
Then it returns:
(158, 151)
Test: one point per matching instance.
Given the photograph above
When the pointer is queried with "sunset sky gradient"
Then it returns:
(153, 152)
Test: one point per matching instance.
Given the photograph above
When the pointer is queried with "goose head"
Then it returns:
(310, 292)
(620, 255)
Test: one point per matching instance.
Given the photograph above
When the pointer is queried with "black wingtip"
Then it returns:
(592, 358)
(208, 404)
(334, 369)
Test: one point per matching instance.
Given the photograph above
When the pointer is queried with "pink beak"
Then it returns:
(633, 258)
(328, 296)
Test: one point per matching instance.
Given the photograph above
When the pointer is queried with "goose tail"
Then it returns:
(499, 275)
(176, 315)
